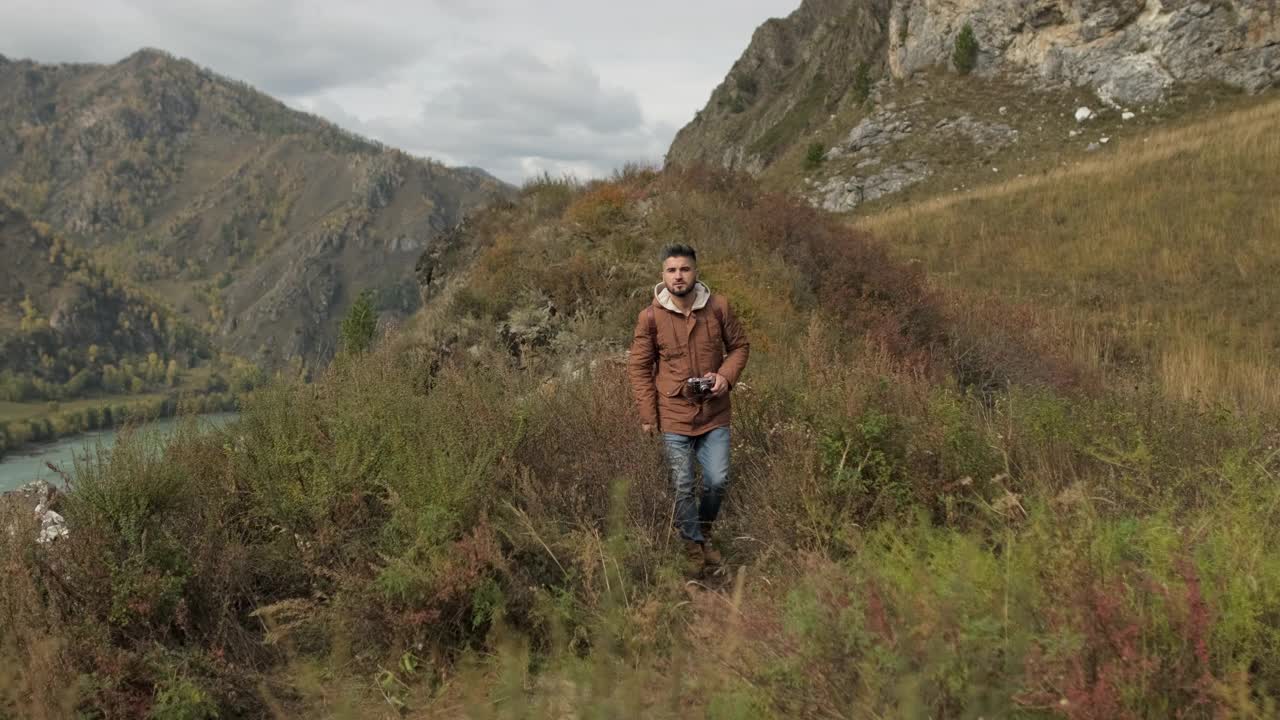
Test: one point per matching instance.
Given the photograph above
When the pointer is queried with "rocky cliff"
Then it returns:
(259, 223)
(831, 55)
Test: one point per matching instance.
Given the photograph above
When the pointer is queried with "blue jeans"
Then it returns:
(712, 451)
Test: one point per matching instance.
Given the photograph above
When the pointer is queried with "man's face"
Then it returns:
(679, 274)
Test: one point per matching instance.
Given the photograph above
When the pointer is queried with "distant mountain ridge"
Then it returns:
(257, 222)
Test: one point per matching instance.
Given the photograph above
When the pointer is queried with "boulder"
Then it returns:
(1133, 80)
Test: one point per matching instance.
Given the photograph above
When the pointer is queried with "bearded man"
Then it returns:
(687, 353)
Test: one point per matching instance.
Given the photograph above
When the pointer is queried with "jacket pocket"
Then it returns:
(669, 386)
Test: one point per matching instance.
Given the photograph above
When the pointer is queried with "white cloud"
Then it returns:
(516, 87)
(518, 114)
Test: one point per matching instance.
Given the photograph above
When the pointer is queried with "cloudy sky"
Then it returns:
(516, 87)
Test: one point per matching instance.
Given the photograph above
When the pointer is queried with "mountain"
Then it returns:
(67, 327)
(258, 223)
(848, 80)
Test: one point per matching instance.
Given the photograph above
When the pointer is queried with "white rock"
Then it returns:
(52, 527)
(1126, 115)
(1132, 79)
(1083, 113)
(1073, 133)
(1003, 110)
(1104, 140)
(37, 497)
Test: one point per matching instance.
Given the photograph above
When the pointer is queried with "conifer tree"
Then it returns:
(359, 324)
(965, 56)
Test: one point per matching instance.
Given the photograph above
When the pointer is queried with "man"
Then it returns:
(686, 355)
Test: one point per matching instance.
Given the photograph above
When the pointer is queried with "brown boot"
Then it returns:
(709, 552)
(693, 557)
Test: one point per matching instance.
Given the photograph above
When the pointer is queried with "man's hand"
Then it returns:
(648, 429)
(721, 387)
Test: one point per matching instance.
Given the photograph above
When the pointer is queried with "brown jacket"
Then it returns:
(669, 347)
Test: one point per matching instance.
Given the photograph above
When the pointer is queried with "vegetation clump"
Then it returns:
(360, 324)
(814, 155)
(965, 54)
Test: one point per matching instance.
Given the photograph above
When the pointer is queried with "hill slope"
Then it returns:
(924, 520)
(257, 222)
(66, 326)
(861, 98)
(1170, 275)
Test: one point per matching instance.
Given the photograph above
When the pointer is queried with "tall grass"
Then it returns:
(1155, 253)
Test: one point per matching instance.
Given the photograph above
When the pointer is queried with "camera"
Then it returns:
(700, 386)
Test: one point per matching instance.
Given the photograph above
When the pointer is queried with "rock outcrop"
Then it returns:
(1130, 52)
(881, 133)
(38, 498)
(827, 56)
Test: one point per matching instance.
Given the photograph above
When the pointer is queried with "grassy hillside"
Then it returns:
(938, 509)
(1155, 257)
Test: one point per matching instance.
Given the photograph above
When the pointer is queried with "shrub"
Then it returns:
(359, 325)
(814, 155)
(600, 208)
(965, 54)
(548, 196)
(181, 699)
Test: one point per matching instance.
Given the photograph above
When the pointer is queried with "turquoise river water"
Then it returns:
(23, 466)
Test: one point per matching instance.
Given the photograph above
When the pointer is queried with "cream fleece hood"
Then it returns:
(701, 294)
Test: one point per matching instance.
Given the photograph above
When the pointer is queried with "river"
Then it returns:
(22, 466)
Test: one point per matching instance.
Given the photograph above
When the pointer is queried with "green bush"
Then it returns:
(360, 324)
(814, 155)
(181, 699)
(965, 54)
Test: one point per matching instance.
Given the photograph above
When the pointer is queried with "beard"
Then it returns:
(681, 293)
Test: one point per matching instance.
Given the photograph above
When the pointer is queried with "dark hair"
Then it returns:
(678, 250)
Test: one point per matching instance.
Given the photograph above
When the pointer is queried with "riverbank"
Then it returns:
(32, 463)
(111, 412)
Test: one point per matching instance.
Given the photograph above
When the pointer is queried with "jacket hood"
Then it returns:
(662, 296)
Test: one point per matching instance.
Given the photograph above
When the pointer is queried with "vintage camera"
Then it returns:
(700, 386)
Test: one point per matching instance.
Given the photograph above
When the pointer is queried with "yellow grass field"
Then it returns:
(1160, 252)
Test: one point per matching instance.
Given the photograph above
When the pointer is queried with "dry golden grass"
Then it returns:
(1159, 253)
